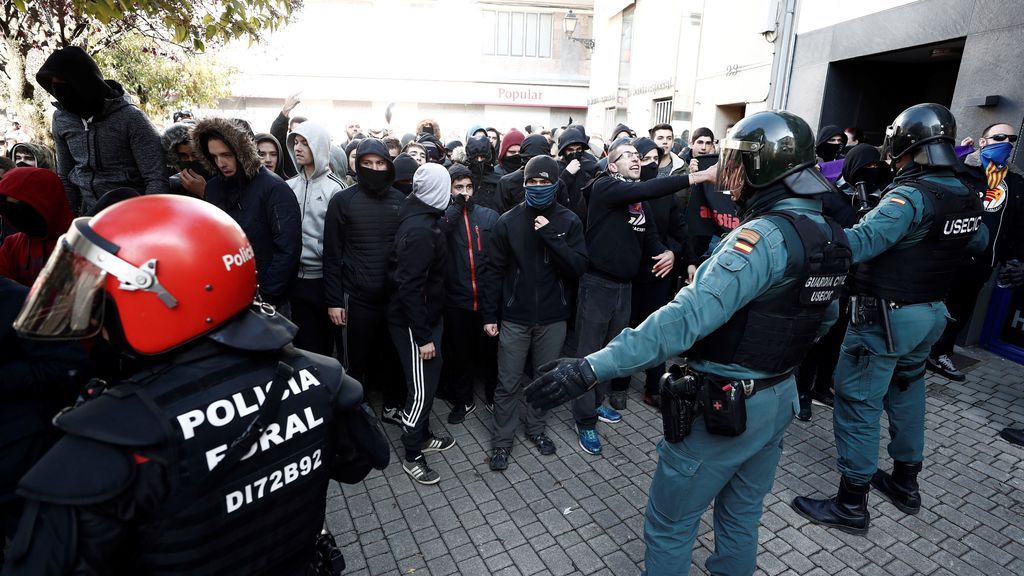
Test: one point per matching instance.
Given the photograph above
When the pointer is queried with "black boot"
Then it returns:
(805, 408)
(848, 511)
(901, 487)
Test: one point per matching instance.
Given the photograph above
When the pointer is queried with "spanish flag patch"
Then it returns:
(897, 200)
(746, 239)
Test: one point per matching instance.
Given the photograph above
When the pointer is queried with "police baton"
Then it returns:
(887, 325)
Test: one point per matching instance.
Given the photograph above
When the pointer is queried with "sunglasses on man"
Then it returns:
(1002, 137)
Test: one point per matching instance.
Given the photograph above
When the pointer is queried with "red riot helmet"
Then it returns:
(174, 267)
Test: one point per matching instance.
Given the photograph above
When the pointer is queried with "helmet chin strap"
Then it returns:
(82, 240)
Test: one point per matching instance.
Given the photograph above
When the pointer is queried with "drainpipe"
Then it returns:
(784, 63)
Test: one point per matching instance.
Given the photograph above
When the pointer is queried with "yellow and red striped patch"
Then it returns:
(743, 247)
(746, 239)
(897, 200)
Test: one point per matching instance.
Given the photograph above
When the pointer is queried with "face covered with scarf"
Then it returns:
(541, 182)
(997, 145)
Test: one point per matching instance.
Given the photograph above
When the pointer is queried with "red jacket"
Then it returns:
(33, 200)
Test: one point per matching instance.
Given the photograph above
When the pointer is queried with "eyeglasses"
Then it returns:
(1001, 137)
(630, 155)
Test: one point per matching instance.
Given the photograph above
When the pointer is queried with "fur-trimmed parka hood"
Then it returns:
(234, 136)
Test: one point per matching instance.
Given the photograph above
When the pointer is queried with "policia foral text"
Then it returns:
(213, 454)
(910, 247)
(755, 307)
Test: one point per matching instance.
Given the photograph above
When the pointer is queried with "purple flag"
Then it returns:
(834, 169)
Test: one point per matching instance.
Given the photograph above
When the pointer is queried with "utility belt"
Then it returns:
(723, 401)
(870, 310)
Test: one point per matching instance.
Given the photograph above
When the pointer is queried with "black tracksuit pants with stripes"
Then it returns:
(421, 379)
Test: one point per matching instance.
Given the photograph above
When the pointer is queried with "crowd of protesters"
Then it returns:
(427, 267)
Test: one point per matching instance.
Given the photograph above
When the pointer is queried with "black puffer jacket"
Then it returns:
(359, 230)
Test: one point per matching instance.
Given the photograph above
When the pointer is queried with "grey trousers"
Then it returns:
(515, 342)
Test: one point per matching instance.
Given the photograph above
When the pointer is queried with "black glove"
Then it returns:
(1012, 274)
(560, 380)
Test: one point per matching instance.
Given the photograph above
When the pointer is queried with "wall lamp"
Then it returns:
(569, 22)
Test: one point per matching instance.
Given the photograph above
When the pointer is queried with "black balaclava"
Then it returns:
(479, 146)
(829, 152)
(376, 182)
(82, 91)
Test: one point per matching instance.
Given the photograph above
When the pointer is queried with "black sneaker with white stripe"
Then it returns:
(438, 444)
(420, 472)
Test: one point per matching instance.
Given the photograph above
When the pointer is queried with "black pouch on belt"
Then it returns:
(725, 407)
(678, 403)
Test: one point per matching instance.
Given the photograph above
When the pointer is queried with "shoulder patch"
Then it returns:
(746, 240)
(898, 200)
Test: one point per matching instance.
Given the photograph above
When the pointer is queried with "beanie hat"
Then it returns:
(405, 167)
(541, 167)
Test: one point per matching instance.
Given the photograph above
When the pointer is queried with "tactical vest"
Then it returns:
(924, 271)
(775, 331)
(263, 514)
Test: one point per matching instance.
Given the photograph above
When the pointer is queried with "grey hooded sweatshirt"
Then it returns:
(313, 194)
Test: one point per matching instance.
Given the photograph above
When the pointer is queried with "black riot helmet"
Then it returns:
(766, 148)
(929, 130)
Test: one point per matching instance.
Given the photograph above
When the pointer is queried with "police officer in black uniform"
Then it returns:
(214, 452)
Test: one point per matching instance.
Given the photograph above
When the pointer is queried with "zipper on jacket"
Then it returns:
(472, 261)
(515, 285)
(479, 246)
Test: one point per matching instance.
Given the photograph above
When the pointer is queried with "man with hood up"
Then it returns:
(33, 201)
(257, 199)
(485, 179)
(103, 141)
(359, 230)
(578, 168)
(405, 167)
(830, 143)
(30, 154)
(309, 146)
(416, 273)
(270, 152)
(508, 154)
(510, 187)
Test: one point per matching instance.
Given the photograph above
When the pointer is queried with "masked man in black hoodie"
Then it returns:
(479, 157)
(416, 274)
(359, 230)
(103, 142)
(830, 143)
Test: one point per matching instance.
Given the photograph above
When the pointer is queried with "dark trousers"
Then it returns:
(370, 355)
(963, 295)
(816, 371)
(647, 297)
(309, 312)
(518, 341)
(469, 354)
(603, 311)
(421, 378)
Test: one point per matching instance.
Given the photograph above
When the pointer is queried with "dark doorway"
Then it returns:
(868, 92)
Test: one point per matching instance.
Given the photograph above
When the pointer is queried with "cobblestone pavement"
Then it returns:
(572, 513)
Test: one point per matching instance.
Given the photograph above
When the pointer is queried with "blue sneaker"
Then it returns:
(609, 415)
(589, 441)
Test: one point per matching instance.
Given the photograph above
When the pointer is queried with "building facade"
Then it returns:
(458, 62)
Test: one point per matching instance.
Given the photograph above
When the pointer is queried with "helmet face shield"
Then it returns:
(65, 301)
(732, 171)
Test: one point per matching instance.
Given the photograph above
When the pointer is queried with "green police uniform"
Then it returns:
(908, 249)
